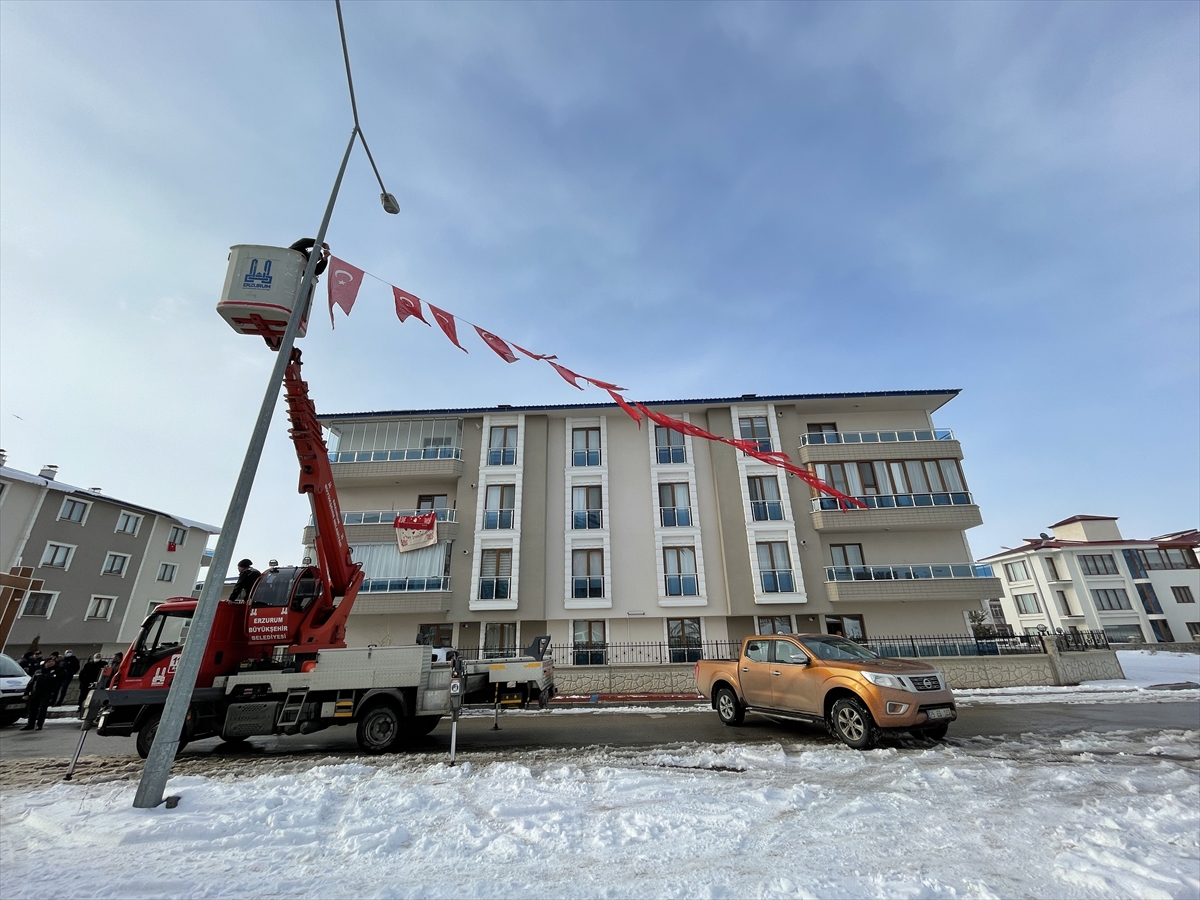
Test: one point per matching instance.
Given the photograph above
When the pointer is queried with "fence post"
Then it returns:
(1050, 645)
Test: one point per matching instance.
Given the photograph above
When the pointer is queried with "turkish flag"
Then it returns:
(621, 402)
(502, 349)
(446, 321)
(568, 376)
(603, 385)
(344, 282)
(407, 305)
(532, 355)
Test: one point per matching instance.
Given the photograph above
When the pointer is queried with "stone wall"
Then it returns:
(663, 679)
(1091, 665)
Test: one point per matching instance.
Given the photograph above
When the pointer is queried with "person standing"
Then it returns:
(247, 575)
(88, 676)
(42, 689)
(70, 668)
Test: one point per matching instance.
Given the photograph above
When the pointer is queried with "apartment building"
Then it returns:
(103, 562)
(1087, 577)
(573, 521)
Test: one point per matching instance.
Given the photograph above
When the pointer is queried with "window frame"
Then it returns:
(162, 567)
(775, 571)
(762, 507)
(50, 604)
(587, 517)
(681, 577)
(750, 423)
(1011, 568)
(1020, 601)
(587, 450)
(673, 512)
(171, 534)
(70, 548)
(589, 577)
(496, 581)
(136, 518)
(673, 451)
(499, 517)
(774, 622)
(1118, 595)
(89, 615)
(503, 453)
(83, 516)
(1087, 564)
(1183, 593)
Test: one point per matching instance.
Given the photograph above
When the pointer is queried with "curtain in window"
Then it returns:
(386, 560)
(916, 476)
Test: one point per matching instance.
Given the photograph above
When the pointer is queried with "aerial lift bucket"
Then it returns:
(260, 291)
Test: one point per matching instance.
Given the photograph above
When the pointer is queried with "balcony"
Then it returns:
(777, 581)
(587, 518)
(494, 588)
(933, 581)
(502, 456)
(387, 466)
(498, 518)
(936, 443)
(395, 596)
(766, 510)
(687, 585)
(675, 516)
(587, 587)
(376, 525)
(585, 457)
(909, 512)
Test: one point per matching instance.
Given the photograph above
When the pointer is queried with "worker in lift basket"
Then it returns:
(247, 575)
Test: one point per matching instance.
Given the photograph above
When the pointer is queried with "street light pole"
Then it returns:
(166, 742)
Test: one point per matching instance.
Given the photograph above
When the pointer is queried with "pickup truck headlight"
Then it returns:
(888, 681)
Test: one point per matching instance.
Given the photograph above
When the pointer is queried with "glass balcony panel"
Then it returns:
(684, 516)
(923, 499)
(691, 586)
(942, 572)
(943, 434)
(886, 501)
(983, 571)
(881, 573)
(902, 573)
(668, 516)
(941, 500)
(861, 573)
(924, 435)
(786, 584)
(960, 499)
(904, 500)
(887, 437)
(852, 437)
(961, 572)
(905, 436)
(674, 585)
(922, 572)
(770, 584)
(354, 518)
(839, 573)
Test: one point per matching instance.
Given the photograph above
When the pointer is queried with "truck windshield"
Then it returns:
(164, 631)
(836, 648)
(273, 588)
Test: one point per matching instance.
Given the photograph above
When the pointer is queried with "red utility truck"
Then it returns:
(278, 663)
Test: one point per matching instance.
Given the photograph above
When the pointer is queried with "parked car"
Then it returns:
(13, 681)
(826, 679)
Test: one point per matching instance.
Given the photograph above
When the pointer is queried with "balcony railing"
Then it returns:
(498, 518)
(388, 516)
(347, 456)
(586, 587)
(876, 437)
(671, 455)
(585, 457)
(401, 585)
(906, 573)
(895, 501)
(777, 581)
(766, 510)
(502, 456)
(587, 518)
(682, 585)
(493, 588)
(675, 516)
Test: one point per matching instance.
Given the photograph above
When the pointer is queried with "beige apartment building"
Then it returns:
(574, 522)
(1086, 576)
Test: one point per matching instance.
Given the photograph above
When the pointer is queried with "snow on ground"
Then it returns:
(1092, 816)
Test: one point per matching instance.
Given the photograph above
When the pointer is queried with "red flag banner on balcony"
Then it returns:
(446, 321)
(621, 402)
(502, 349)
(568, 376)
(344, 282)
(407, 305)
(415, 532)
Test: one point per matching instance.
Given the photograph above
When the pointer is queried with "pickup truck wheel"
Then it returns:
(378, 729)
(729, 710)
(853, 724)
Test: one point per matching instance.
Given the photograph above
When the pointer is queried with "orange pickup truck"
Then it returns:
(826, 679)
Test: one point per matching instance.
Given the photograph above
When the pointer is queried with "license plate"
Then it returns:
(939, 713)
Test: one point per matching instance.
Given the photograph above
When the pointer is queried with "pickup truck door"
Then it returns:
(754, 673)
(793, 682)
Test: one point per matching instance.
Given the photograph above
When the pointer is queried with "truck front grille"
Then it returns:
(925, 682)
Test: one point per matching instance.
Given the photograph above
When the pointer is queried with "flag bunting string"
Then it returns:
(346, 279)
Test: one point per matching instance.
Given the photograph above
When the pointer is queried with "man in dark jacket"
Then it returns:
(247, 575)
(42, 689)
(70, 667)
(88, 676)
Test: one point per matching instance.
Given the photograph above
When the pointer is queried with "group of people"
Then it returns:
(50, 678)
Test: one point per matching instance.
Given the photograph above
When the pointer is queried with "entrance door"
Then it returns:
(792, 685)
(755, 673)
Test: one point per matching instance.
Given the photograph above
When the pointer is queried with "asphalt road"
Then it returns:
(587, 728)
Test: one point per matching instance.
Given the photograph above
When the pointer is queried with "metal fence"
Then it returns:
(953, 645)
(1081, 640)
(641, 653)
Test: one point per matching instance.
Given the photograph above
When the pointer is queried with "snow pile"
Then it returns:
(1090, 817)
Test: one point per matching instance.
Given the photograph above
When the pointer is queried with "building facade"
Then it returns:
(1087, 577)
(574, 522)
(103, 562)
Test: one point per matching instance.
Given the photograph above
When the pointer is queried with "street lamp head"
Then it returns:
(389, 203)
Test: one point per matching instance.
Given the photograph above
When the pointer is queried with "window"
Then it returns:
(850, 627)
(765, 504)
(757, 651)
(57, 556)
(669, 445)
(177, 536)
(675, 507)
(679, 564)
(589, 648)
(587, 574)
(499, 639)
(166, 572)
(1111, 598)
(115, 563)
(823, 428)
(997, 610)
(1064, 607)
(1101, 564)
(775, 567)
(1183, 594)
(502, 446)
(683, 640)
(495, 572)
(431, 502)
(587, 507)
(1124, 634)
(1016, 571)
(499, 504)
(1027, 604)
(100, 607)
(1162, 631)
(1168, 558)
(1052, 569)
(128, 523)
(38, 603)
(754, 428)
(585, 447)
(73, 511)
(774, 625)
(1149, 599)
(397, 439)
(846, 554)
(439, 635)
(936, 482)
(1193, 629)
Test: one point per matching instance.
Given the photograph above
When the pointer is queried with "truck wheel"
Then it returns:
(729, 710)
(145, 737)
(10, 716)
(378, 729)
(853, 724)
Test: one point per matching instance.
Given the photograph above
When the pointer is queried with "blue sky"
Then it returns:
(689, 199)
